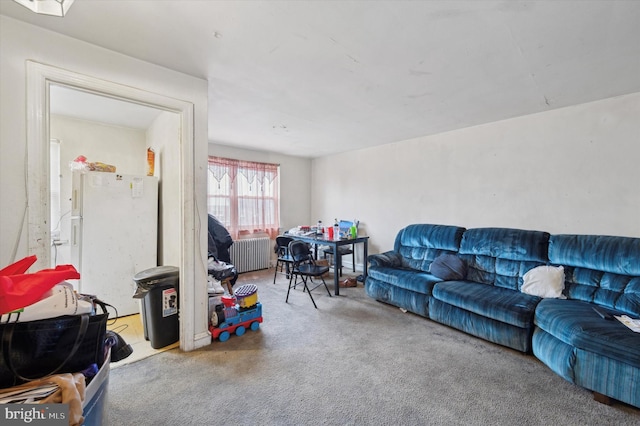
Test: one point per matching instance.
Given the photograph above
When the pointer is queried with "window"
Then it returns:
(244, 196)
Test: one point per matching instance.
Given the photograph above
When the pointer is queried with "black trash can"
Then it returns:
(158, 291)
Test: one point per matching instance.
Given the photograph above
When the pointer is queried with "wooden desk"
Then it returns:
(337, 259)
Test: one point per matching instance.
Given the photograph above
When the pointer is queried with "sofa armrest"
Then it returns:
(389, 259)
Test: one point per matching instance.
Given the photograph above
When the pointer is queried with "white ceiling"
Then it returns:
(311, 78)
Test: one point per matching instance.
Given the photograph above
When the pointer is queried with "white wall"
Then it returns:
(570, 170)
(122, 147)
(295, 181)
(20, 42)
(161, 137)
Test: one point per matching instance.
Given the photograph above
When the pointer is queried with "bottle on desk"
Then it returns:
(336, 230)
(354, 228)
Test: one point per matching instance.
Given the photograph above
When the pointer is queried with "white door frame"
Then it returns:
(39, 79)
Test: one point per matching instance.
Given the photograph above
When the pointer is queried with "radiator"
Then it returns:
(251, 254)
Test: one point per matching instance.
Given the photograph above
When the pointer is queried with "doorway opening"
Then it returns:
(99, 224)
(40, 79)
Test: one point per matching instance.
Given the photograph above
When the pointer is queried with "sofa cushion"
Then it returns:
(504, 305)
(620, 292)
(544, 281)
(389, 259)
(420, 244)
(501, 256)
(577, 324)
(600, 269)
(448, 267)
(409, 279)
(618, 255)
(506, 243)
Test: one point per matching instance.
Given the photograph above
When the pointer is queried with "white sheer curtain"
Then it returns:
(244, 196)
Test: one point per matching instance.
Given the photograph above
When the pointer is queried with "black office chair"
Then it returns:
(345, 228)
(284, 258)
(305, 267)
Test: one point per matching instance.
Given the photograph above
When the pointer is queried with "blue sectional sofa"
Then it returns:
(498, 297)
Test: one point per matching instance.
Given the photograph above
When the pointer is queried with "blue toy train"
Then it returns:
(236, 313)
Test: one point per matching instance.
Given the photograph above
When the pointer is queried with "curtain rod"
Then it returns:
(243, 161)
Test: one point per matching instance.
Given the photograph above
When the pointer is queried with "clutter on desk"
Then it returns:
(340, 230)
(304, 231)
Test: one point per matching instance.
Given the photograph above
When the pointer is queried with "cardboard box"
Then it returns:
(323, 262)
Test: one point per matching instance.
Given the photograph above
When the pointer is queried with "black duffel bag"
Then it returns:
(65, 344)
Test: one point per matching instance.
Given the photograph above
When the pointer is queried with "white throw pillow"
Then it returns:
(544, 281)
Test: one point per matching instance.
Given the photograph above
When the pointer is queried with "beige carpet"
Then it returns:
(353, 361)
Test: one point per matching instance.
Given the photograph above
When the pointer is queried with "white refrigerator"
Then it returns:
(114, 234)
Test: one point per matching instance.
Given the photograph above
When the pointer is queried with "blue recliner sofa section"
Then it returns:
(527, 290)
(488, 302)
(574, 340)
(401, 276)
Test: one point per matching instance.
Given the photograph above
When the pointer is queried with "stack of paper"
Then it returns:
(633, 324)
(27, 396)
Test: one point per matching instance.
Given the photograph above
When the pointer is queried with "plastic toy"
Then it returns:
(236, 313)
